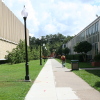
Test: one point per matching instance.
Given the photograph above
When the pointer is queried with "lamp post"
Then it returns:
(40, 52)
(25, 14)
(45, 51)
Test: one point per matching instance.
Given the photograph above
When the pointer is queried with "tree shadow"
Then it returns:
(12, 81)
(95, 72)
(97, 84)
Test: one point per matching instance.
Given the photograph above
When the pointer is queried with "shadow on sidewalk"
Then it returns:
(68, 71)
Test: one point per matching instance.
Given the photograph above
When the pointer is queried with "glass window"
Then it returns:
(93, 28)
(83, 35)
(89, 31)
(86, 33)
(96, 27)
(96, 48)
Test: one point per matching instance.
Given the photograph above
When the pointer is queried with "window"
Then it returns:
(96, 48)
(96, 27)
(86, 33)
(90, 31)
(93, 27)
(83, 35)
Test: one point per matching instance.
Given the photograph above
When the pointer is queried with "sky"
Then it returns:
(46, 17)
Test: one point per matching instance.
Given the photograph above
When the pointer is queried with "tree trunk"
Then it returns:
(84, 57)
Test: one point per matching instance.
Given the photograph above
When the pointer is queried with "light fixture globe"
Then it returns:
(40, 38)
(24, 13)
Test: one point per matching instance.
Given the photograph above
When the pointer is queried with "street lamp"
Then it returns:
(40, 52)
(45, 51)
(25, 14)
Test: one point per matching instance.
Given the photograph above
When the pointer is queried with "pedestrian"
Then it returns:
(63, 58)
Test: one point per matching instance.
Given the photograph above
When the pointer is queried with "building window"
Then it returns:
(93, 27)
(96, 48)
(96, 27)
(86, 33)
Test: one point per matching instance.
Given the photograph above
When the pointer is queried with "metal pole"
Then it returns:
(26, 65)
(40, 54)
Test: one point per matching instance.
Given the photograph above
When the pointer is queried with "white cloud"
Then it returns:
(53, 16)
(45, 16)
(50, 28)
(30, 34)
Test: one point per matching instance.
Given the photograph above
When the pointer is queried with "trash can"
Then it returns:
(74, 64)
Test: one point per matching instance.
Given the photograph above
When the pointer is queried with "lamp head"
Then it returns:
(40, 38)
(24, 13)
(43, 44)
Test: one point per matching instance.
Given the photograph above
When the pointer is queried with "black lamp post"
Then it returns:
(45, 49)
(43, 52)
(25, 14)
(40, 53)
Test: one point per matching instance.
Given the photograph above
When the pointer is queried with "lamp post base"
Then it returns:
(27, 79)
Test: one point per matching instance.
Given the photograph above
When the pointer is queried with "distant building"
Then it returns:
(91, 33)
(11, 30)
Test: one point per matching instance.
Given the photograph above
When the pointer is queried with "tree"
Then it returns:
(45, 51)
(35, 53)
(66, 51)
(68, 38)
(83, 47)
(17, 55)
(54, 42)
(59, 51)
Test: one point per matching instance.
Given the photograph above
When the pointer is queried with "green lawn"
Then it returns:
(92, 77)
(81, 64)
(12, 85)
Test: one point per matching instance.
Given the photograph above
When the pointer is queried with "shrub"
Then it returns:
(17, 55)
(75, 57)
(97, 57)
(35, 54)
(83, 47)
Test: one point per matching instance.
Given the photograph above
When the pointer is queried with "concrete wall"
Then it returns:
(5, 46)
(11, 30)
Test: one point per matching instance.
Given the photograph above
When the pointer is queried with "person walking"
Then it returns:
(63, 58)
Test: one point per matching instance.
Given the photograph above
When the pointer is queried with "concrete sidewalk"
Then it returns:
(57, 83)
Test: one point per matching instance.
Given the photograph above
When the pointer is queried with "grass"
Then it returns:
(81, 64)
(12, 85)
(92, 77)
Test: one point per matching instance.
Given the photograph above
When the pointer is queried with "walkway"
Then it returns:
(57, 83)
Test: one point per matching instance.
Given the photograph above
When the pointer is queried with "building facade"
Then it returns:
(11, 30)
(91, 33)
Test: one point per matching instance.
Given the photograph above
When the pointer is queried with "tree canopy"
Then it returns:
(83, 47)
(51, 41)
(53, 44)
